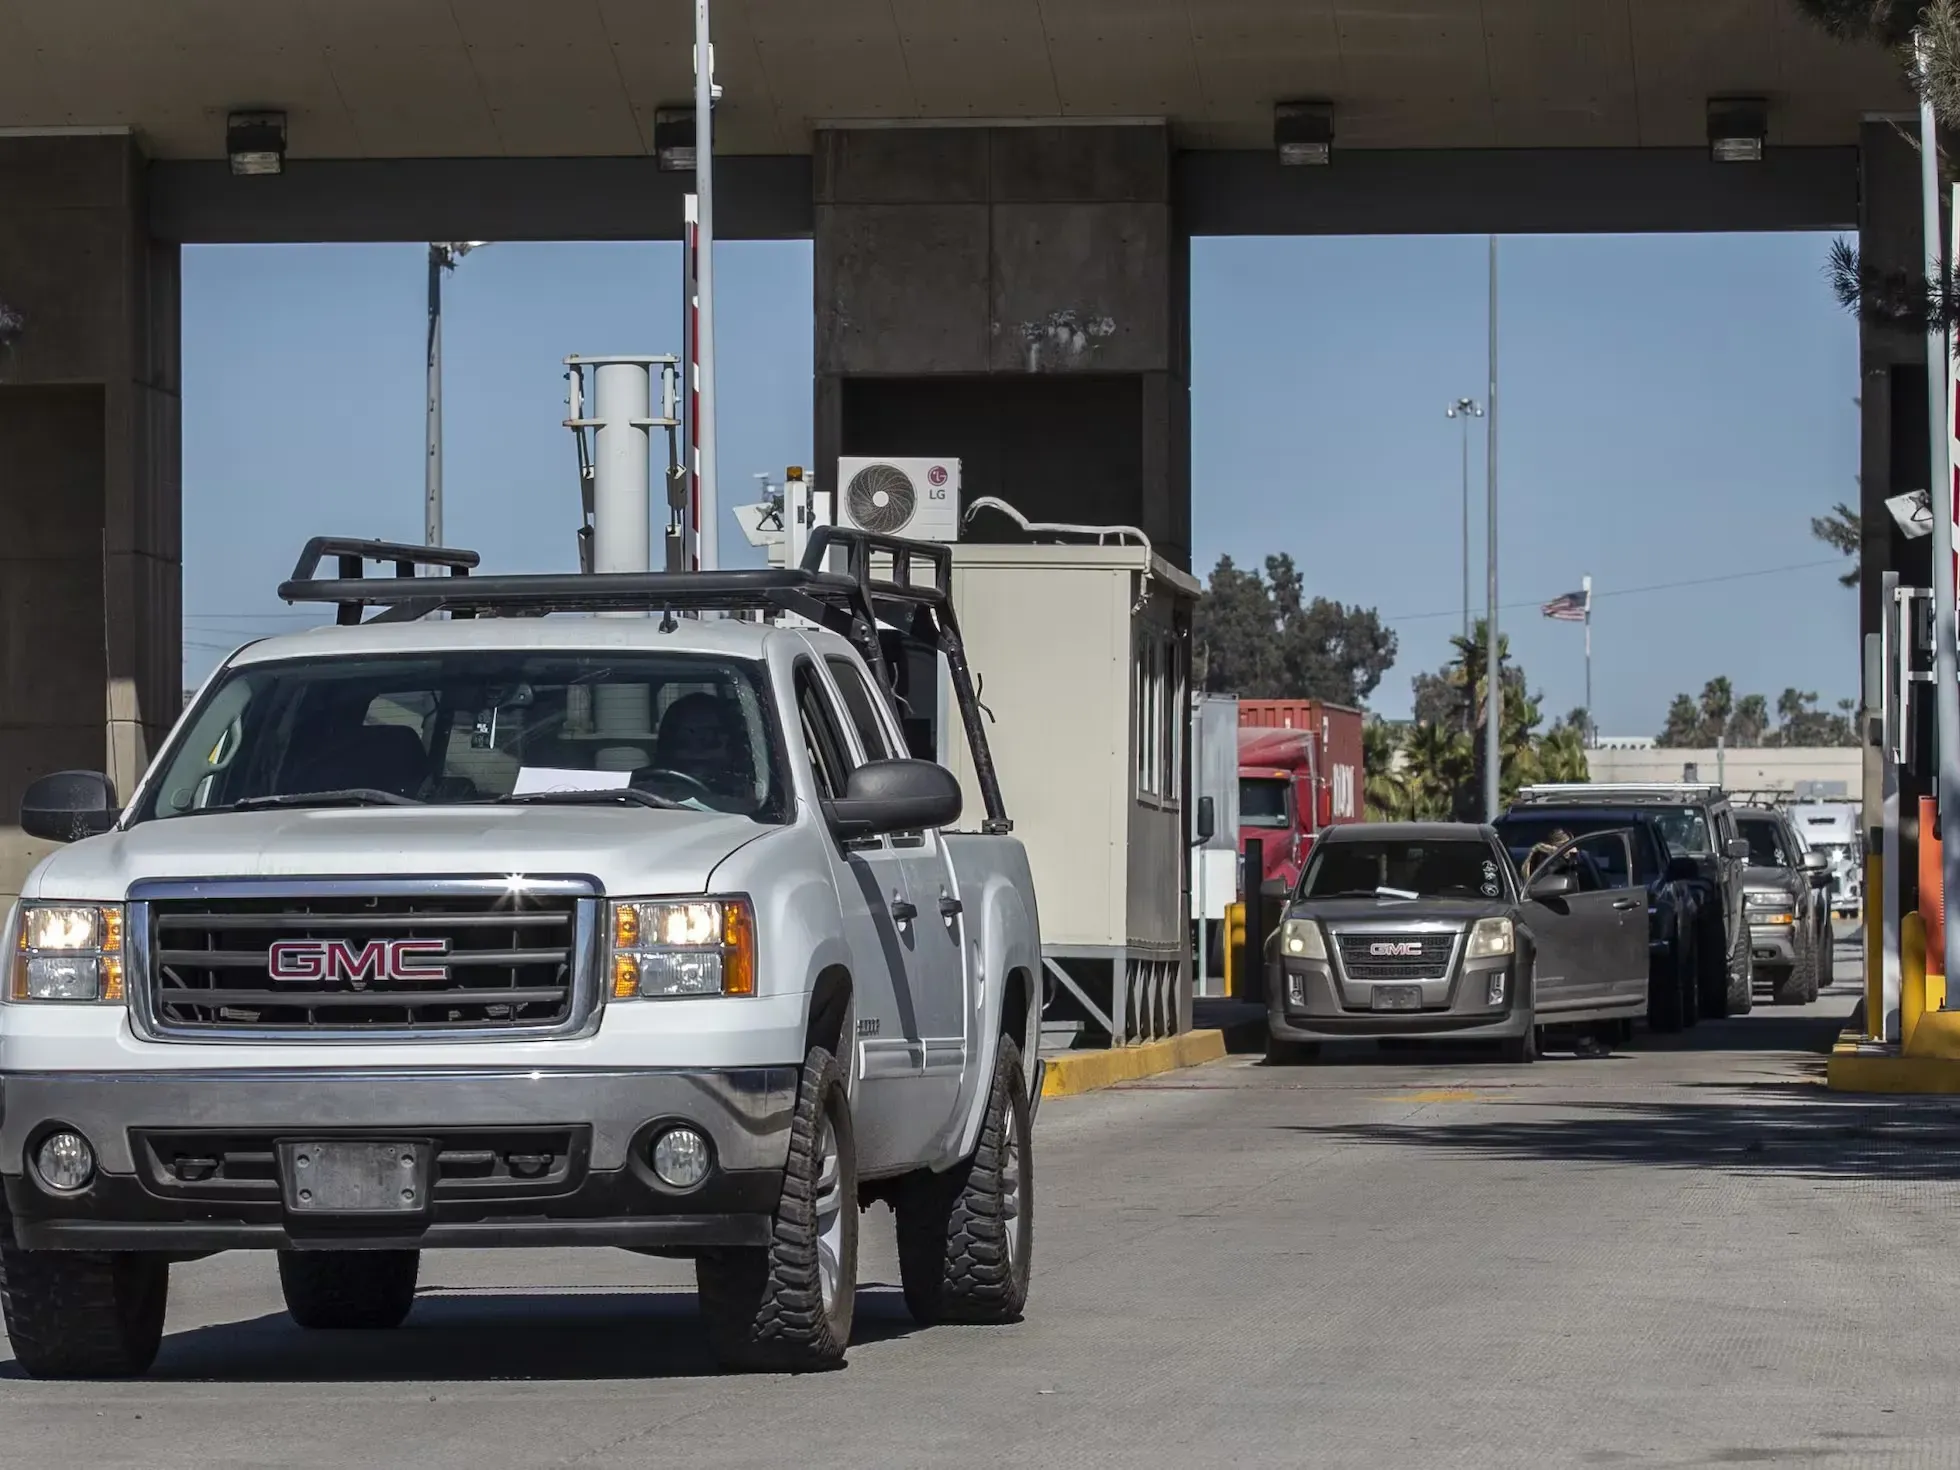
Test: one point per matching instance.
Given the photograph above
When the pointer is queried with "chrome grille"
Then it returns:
(489, 961)
(1370, 956)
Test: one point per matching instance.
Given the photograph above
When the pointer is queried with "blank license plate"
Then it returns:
(1398, 998)
(355, 1177)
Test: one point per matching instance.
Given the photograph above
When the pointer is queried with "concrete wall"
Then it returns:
(90, 624)
(1017, 297)
(1740, 770)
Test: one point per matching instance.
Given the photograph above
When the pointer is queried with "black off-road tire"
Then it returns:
(1712, 950)
(1520, 1050)
(1742, 986)
(82, 1314)
(349, 1291)
(764, 1305)
(1688, 976)
(1666, 998)
(1827, 956)
(1283, 1053)
(954, 1229)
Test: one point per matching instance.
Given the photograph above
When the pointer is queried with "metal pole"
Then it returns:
(1588, 731)
(1466, 526)
(432, 409)
(704, 187)
(1493, 662)
(1946, 667)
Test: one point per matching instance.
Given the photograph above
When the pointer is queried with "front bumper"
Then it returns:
(1773, 944)
(1306, 1003)
(190, 1162)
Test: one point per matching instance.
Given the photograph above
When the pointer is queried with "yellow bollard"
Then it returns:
(1234, 947)
(1912, 977)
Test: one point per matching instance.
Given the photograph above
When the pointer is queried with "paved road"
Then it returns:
(1687, 1254)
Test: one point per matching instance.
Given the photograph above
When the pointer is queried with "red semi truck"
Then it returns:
(1299, 771)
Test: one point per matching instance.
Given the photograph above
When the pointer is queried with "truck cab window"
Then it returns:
(821, 737)
(1263, 802)
(858, 700)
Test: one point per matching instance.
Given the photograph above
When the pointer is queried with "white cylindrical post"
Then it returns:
(708, 527)
(620, 536)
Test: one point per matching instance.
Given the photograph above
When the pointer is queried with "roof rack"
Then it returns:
(849, 602)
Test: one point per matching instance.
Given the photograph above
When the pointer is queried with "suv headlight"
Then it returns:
(68, 952)
(1490, 939)
(1299, 939)
(1768, 900)
(683, 947)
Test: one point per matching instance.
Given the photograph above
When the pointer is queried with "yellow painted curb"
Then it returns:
(1857, 1065)
(1085, 1071)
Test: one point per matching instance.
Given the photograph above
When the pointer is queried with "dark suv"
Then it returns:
(1673, 893)
(1705, 851)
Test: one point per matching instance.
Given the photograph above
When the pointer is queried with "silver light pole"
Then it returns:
(443, 256)
(708, 531)
(1466, 409)
(1493, 663)
(1946, 663)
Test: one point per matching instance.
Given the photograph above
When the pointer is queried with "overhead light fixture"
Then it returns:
(1303, 132)
(1737, 129)
(256, 142)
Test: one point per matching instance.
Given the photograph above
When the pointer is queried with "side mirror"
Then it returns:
(896, 796)
(1738, 849)
(1683, 870)
(1815, 862)
(1207, 821)
(68, 806)
(1552, 885)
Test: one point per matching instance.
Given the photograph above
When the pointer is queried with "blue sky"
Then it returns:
(1672, 409)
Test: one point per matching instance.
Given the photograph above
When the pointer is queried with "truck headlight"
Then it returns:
(68, 952)
(1299, 939)
(683, 947)
(1767, 900)
(1491, 939)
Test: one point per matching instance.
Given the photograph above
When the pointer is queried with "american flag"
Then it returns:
(1570, 607)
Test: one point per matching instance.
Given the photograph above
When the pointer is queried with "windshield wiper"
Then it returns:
(350, 796)
(597, 794)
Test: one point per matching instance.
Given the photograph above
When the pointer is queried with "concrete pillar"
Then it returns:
(1894, 452)
(90, 596)
(1015, 296)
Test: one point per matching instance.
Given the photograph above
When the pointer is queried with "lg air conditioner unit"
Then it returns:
(918, 499)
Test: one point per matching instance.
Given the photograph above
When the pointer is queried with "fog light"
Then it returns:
(1296, 990)
(680, 1158)
(65, 1161)
(1497, 989)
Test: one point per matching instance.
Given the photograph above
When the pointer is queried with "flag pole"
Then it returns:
(1588, 731)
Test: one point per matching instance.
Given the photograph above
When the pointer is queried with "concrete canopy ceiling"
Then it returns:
(553, 78)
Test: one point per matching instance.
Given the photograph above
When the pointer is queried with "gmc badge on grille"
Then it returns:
(306, 960)
(1395, 951)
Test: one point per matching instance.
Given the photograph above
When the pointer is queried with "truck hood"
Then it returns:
(629, 851)
(1769, 880)
(1391, 910)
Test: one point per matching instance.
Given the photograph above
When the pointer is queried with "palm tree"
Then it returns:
(1385, 791)
(1439, 765)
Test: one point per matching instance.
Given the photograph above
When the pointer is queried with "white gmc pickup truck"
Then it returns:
(460, 925)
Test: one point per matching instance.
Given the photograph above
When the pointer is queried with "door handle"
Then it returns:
(1625, 903)
(904, 912)
(949, 907)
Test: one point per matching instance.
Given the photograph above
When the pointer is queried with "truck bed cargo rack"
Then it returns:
(851, 602)
(1629, 791)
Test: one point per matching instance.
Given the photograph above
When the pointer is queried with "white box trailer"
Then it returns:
(1083, 656)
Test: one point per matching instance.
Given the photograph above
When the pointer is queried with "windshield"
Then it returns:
(691, 730)
(1765, 838)
(1263, 802)
(1685, 830)
(1429, 868)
